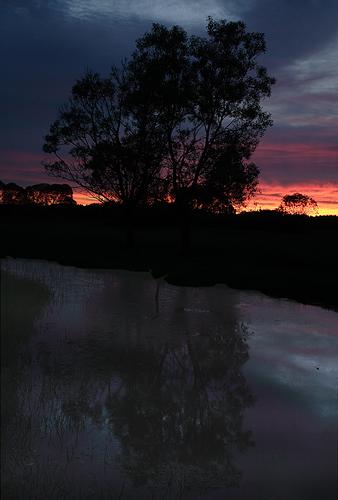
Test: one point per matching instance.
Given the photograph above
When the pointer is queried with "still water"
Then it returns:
(119, 386)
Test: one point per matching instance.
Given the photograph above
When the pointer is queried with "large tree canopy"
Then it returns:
(180, 119)
(207, 93)
(100, 142)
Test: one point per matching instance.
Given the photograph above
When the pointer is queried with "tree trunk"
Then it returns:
(184, 223)
(185, 233)
(130, 236)
(129, 213)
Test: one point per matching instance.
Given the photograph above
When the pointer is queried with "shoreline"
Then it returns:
(188, 278)
(283, 257)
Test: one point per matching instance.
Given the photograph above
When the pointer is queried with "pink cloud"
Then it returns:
(23, 167)
(286, 167)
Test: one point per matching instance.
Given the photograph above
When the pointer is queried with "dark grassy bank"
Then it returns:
(283, 256)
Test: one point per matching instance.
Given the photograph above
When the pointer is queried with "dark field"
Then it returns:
(283, 256)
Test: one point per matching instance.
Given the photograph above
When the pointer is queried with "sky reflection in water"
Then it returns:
(205, 392)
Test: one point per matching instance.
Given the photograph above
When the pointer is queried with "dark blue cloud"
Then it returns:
(293, 28)
(44, 52)
(46, 44)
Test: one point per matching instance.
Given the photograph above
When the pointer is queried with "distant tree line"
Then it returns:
(37, 194)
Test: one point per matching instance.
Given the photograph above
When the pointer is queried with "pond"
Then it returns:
(116, 385)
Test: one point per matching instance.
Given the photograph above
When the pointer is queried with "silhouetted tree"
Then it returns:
(106, 144)
(39, 194)
(181, 116)
(103, 144)
(49, 194)
(298, 204)
(2, 186)
(207, 93)
(228, 185)
(12, 194)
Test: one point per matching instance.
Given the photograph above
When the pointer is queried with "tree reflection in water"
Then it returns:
(179, 415)
(126, 415)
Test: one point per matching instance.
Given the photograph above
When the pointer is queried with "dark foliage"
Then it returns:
(104, 145)
(38, 194)
(298, 204)
(207, 93)
(180, 119)
(12, 194)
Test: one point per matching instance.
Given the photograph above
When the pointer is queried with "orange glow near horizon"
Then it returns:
(83, 198)
(268, 156)
(270, 195)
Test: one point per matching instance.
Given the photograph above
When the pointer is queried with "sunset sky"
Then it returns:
(46, 44)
